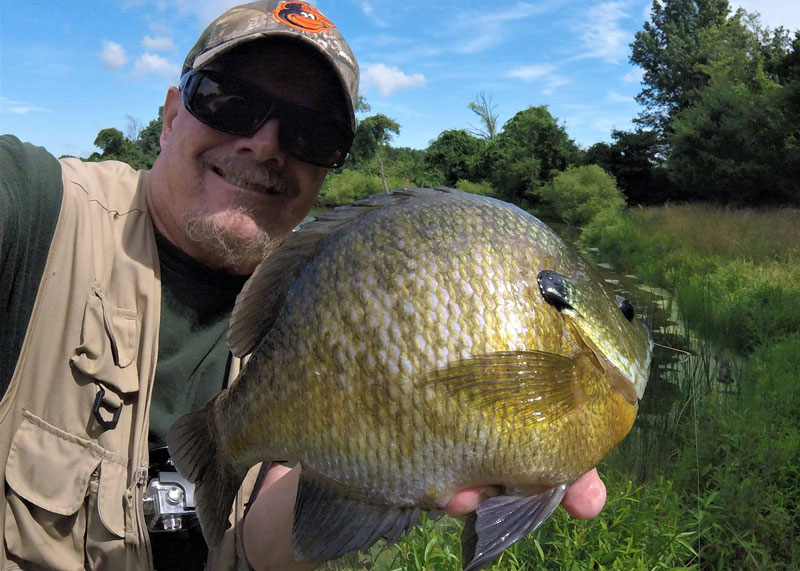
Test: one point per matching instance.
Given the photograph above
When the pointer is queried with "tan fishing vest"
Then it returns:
(74, 420)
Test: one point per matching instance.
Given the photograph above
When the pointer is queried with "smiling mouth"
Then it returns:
(246, 182)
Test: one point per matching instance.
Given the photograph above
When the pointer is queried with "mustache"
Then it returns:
(253, 176)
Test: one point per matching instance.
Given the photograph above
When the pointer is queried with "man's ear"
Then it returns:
(172, 105)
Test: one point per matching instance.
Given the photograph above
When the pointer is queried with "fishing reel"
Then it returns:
(168, 501)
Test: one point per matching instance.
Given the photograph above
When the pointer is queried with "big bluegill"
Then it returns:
(410, 346)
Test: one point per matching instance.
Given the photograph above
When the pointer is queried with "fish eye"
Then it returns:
(553, 290)
(626, 307)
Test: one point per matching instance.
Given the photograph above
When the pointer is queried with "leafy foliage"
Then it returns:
(139, 153)
(579, 194)
(350, 185)
(457, 154)
(635, 160)
(530, 151)
(372, 133)
(482, 188)
(669, 49)
(483, 108)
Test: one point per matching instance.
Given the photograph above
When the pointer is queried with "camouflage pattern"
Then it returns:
(273, 18)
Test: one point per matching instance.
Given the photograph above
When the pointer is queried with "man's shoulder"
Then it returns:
(113, 184)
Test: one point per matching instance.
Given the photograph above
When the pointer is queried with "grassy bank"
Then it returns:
(735, 447)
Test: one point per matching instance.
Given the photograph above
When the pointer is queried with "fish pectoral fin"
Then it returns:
(499, 522)
(195, 448)
(327, 526)
(535, 385)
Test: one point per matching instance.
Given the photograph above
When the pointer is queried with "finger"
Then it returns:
(586, 497)
(466, 501)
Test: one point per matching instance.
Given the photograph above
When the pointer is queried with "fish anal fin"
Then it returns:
(533, 385)
(501, 521)
(327, 526)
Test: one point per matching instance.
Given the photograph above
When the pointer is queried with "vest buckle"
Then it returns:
(99, 401)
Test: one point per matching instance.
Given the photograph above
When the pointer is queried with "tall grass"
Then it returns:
(735, 444)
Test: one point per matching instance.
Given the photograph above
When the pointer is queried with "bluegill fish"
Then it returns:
(407, 347)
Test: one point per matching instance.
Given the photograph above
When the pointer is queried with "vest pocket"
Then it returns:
(63, 498)
(109, 343)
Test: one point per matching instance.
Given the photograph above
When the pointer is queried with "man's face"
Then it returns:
(226, 199)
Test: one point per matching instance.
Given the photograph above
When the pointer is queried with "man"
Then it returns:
(117, 286)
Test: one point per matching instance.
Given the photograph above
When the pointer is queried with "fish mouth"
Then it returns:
(254, 179)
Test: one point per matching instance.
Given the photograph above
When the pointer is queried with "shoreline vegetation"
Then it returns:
(708, 478)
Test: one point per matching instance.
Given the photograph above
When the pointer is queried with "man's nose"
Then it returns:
(264, 144)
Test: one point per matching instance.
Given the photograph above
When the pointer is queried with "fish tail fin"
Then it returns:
(195, 450)
(500, 521)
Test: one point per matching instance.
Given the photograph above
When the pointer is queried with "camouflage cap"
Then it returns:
(275, 18)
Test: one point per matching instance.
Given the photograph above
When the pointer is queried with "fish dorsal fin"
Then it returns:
(261, 300)
(532, 385)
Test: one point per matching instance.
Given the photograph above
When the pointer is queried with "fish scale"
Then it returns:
(403, 349)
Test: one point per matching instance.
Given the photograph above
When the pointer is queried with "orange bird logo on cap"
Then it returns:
(303, 16)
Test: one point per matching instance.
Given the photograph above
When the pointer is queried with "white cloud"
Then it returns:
(155, 64)
(601, 34)
(614, 97)
(493, 25)
(531, 73)
(635, 75)
(773, 13)
(389, 79)
(20, 107)
(113, 55)
(157, 44)
(542, 74)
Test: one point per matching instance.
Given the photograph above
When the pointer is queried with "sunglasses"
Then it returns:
(231, 105)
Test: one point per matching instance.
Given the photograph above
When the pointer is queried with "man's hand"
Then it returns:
(267, 527)
(584, 499)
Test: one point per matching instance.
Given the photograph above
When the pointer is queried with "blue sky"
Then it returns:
(70, 69)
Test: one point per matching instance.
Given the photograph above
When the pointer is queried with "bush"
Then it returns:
(580, 193)
(482, 188)
(615, 235)
(350, 185)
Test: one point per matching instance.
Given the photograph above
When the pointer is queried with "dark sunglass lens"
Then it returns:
(233, 106)
(312, 137)
(227, 105)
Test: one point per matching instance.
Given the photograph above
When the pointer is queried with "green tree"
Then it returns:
(532, 148)
(635, 160)
(455, 153)
(138, 153)
(483, 108)
(669, 49)
(736, 142)
(148, 142)
(411, 167)
(115, 146)
(372, 134)
(735, 146)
